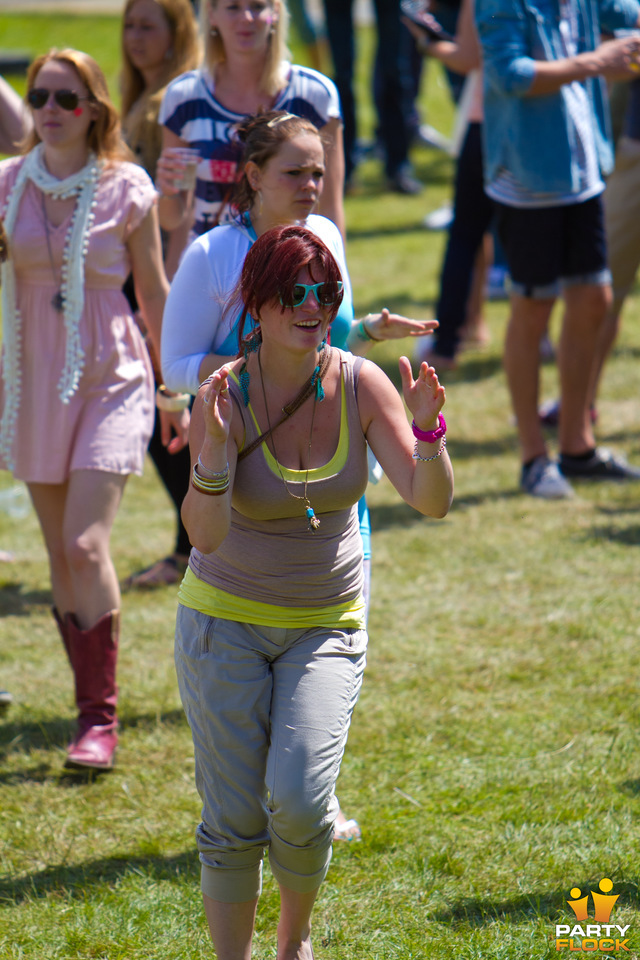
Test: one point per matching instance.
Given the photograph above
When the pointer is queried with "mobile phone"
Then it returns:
(417, 11)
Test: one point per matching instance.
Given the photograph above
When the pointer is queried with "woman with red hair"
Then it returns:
(271, 637)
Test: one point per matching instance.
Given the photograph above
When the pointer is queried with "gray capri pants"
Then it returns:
(269, 710)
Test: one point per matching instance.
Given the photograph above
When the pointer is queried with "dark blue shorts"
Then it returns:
(547, 247)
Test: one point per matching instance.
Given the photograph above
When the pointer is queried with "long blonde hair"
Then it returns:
(272, 79)
(185, 51)
(103, 136)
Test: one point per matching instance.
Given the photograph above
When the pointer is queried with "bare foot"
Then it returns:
(346, 829)
(300, 950)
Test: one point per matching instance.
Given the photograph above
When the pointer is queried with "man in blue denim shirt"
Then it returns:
(547, 146)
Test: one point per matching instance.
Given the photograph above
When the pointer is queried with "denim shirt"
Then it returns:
(534, 137)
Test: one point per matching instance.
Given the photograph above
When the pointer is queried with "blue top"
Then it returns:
(534, 137)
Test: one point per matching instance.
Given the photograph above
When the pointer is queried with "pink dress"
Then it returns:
(108, 421)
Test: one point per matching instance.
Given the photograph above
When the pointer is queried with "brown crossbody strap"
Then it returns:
(290, 408)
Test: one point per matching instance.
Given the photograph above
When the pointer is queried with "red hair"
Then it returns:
(273, 263)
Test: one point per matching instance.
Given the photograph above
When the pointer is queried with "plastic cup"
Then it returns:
(187, 179)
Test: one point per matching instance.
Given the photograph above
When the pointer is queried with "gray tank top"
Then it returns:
(269, 554)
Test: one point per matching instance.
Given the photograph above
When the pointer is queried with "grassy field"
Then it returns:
(493, 762)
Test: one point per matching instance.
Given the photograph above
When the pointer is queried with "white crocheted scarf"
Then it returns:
(83, 186)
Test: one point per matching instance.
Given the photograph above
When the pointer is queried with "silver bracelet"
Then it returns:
(209, 474)
(416, 455)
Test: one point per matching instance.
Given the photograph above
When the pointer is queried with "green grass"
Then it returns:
(493, 762)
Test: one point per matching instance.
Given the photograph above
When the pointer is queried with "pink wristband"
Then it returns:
(430, 436)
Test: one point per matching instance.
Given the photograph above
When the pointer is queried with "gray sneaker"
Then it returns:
(542, 478)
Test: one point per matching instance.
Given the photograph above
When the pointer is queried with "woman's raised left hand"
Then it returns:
(424, 396)
(393, 326)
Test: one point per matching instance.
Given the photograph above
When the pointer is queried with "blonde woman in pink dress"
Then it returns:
(76, 401)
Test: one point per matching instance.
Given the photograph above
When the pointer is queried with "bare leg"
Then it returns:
(586, 308)
(76, 519)
(475, 332)
(606, 339)
(528, 322)
(294, 929)
(231, 927)
(49, 502)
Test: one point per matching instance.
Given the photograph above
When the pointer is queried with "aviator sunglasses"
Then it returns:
(67, 99)
(326, 293)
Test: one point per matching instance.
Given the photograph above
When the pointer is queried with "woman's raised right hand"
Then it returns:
(217, 406)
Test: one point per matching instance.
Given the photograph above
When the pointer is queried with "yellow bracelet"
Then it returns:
(211, 488)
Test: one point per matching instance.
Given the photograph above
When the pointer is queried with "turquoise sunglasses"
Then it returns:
(326, 293)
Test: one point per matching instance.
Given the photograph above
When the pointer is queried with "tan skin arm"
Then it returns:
(463, 53)
(428, 487)
(214, 436)
(151, 287)
(382, 326)
(15, 119)
(212, 361)
(331, 204)
(176, 243)
(613, 60)
(174, 205)
(386, 326)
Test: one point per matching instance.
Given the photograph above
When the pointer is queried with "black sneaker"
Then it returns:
(603, 465)
(404, 182)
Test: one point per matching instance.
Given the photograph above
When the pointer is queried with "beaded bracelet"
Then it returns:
(416, 455)
(211, 488)
(171, 402)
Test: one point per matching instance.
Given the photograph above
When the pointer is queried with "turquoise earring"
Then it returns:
(251, 344)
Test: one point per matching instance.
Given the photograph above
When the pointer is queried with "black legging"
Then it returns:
(174, 469)
(472, 216)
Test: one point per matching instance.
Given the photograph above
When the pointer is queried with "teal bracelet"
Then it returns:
(364, 335)
(361, 333)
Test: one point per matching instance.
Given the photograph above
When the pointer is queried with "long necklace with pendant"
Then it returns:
(57, 300)
(313, 522)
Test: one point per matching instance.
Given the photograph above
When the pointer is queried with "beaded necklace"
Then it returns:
(81, 185)
(313, 522)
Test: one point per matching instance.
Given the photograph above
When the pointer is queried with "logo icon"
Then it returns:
(599, 934)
